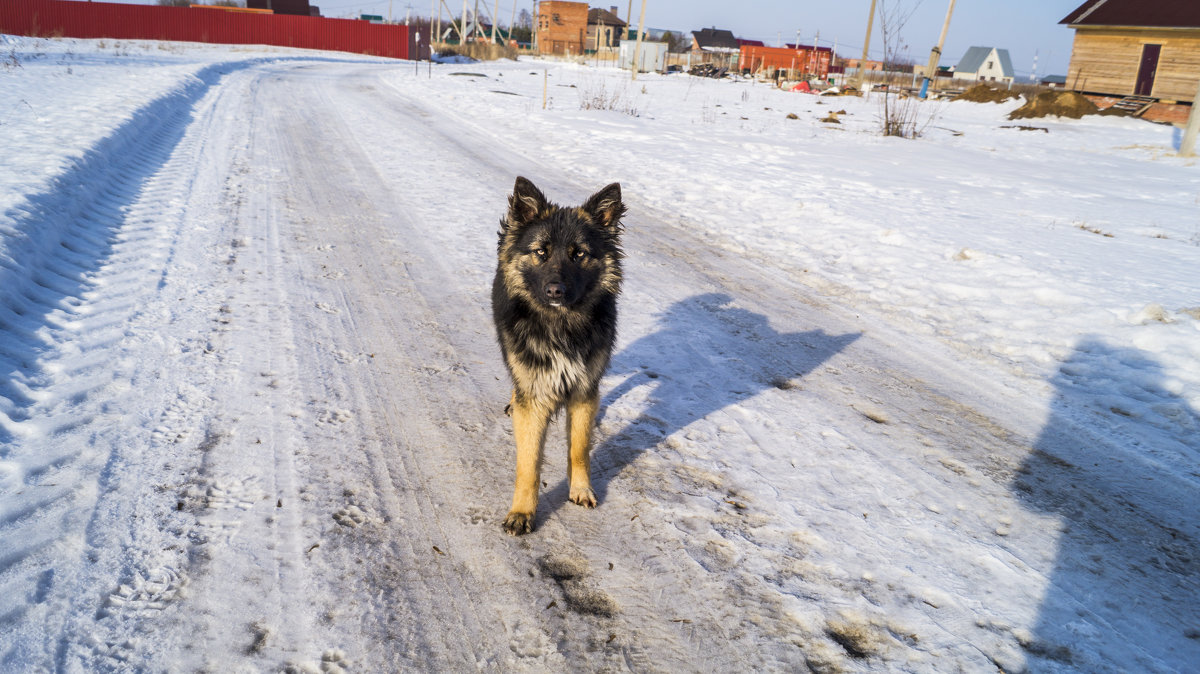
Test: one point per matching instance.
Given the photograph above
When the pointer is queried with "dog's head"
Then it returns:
(561, 258)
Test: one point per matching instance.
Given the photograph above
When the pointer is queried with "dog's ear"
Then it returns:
(525, 204)
(605, 206)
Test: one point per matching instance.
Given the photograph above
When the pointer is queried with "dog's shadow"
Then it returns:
(706, 355)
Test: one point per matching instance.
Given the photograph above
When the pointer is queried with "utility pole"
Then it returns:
(936, 53)
(862, 63)
(1187, 148)
(637, 46)
(462, 26)
(512, 22)
(495, 13)
(816, 52)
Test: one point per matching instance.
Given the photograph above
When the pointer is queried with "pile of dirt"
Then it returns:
(1059, 103)
(982, 93)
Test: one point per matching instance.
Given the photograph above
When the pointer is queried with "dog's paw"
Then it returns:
(517, 524)
(584, 496)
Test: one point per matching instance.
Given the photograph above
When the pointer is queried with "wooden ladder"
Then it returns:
(1135, 105)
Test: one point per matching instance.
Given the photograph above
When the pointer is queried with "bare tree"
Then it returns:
(902, 115)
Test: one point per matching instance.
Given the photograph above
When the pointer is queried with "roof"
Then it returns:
(973, 60)
(751, 43)
(715, 39)
(1054, 79)
(806, 47)
(597, 16)
(296, 7)
(1140, 13)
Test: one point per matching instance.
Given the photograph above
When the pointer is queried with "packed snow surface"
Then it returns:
(878, 404)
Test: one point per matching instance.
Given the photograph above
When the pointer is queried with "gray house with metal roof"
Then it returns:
(985, 64)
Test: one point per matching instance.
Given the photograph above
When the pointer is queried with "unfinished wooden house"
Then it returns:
(1140, 55)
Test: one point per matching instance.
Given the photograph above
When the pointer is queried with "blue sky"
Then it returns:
(1024, 27)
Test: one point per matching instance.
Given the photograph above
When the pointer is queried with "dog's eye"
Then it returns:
(540, 253)
(579, 256)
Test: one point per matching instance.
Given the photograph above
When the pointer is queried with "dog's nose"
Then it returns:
(555, 291)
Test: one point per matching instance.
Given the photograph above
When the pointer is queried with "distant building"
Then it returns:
(293, 7)
(804, 59)
(716, 46)
(561, 27)
(985, 64)
(867, 66)
(1054, 81)
(604, 29)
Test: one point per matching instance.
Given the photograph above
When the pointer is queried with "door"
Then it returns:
(1146, 71)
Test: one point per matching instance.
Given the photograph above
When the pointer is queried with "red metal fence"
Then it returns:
(66, 18)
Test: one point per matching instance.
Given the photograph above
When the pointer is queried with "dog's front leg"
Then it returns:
(529, 427)
(581, 415)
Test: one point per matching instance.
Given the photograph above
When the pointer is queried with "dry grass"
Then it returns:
(595, 95)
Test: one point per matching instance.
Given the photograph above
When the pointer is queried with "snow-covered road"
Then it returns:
(255, 421)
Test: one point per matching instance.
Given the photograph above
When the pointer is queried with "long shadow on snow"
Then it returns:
(706, 355)
(1126, 583)
(51, 245)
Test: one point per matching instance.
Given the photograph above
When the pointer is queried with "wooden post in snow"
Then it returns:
(637, 46)
(1187, 148)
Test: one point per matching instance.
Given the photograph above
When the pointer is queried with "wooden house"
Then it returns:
(716, 46)
(1143, 55)
(561, 27)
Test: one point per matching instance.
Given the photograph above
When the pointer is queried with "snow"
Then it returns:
(878, 404)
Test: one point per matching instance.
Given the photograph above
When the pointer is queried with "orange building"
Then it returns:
(804, 58)
(562, 27)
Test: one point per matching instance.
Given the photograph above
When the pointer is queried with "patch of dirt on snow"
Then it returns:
(1058, 103)
(862, 636)
(982, 93)
(571, 575)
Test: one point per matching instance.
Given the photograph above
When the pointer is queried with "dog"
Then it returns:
(554, 303)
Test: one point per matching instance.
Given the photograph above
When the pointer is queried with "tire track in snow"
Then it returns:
(80, 266)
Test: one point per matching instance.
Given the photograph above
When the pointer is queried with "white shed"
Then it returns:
(653, 56)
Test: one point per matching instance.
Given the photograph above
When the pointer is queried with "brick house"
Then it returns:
(561, 27)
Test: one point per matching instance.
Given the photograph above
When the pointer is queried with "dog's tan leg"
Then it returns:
(581, 414)
(529, 427)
